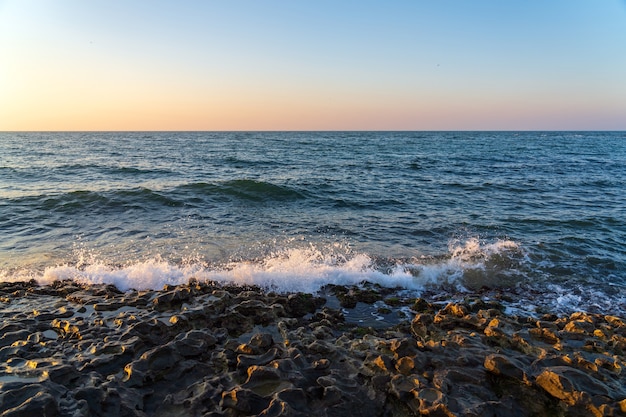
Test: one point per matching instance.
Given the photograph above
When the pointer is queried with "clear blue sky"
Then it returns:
(300, 65)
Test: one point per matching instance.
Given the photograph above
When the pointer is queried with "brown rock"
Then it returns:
(403, 347)
(571, 385)
(457, 310)
(504, 366)
(579, 326)
(545, 335)
(383, 363)
(419, 325)
(405, 365)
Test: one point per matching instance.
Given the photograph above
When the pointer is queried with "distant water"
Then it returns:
(539, 216)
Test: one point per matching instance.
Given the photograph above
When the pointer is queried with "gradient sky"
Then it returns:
(313, 65)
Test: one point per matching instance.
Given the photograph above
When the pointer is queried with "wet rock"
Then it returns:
(403, 388)
(300, 304)
(152, 365)
(41, 404)
(227, 350)
(151, 331)
(108, 306)
(422, 305)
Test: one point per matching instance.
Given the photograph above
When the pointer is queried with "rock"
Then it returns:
(296, 398)
(244, 401)
(504, 366)
(403, 347)
(403, 388)
(571, 385)
(457, 310)
(245, 361)
(419, 325)
(262, 341)
(405, 365)
(62, 374)
(262, 379)
(300, 304)
(331, 395)
(382, 363)
(171, 299)
(8, 338)
(193, 343)
(279, 408)
(422, 305)
(545, 335)
(42, 404)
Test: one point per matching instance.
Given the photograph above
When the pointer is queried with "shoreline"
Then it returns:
(209, 349)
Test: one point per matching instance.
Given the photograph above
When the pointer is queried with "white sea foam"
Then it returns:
(294, 269)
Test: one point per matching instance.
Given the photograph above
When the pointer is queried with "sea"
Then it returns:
(536, 220)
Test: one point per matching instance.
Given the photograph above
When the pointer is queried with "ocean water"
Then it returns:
(538, 218)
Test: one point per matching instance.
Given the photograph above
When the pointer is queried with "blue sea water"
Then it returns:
(536, 217)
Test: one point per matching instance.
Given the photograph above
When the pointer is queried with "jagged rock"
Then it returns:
(193, 343)
(295, 397)
(245, 361)
(504, 366)
(41, 404)
(403, 347)
(245, 401)
(233, 351)
(301, 304)
(571, 385)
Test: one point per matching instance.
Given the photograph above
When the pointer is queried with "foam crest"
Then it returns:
(153, 274)
(297, 269)
(470, 264)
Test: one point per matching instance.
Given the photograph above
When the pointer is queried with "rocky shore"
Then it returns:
(206, 349)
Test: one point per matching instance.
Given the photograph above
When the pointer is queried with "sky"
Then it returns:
(312, 65)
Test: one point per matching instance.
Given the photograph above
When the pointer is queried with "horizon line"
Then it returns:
(310, 130)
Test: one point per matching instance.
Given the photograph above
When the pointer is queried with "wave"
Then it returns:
(97, 201)
(307, 269)
(244, 189)
(498, 270)
(144, 198)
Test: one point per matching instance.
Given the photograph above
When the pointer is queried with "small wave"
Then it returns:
(92, 200)
(252, 163)
(245, 189)
(470, 267)
(136, 171)
(307, 269)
